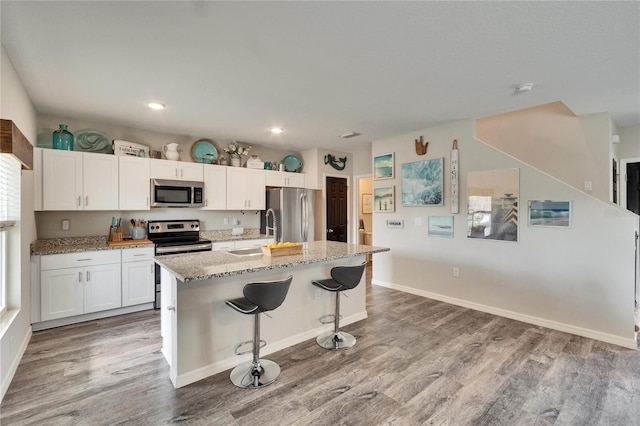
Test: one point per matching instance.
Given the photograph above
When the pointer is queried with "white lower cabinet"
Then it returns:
(79, 283)
(138, 276)
(102, 289)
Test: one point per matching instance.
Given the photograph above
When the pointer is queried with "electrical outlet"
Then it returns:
(65, 224)
(456, 271)
(316, 294)
(235, 220)
(226, 220)
(588, 186)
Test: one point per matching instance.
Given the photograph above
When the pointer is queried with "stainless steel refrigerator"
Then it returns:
(294, 214)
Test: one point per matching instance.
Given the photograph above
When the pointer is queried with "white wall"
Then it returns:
(15, 327)
(629, 146)
(579, 280)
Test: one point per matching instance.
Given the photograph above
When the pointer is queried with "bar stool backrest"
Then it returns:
(267, 295)
(348, 276)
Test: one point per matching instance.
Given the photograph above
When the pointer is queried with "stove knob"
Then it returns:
(192, 225)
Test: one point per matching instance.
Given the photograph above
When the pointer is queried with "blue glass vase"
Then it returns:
(63, 139)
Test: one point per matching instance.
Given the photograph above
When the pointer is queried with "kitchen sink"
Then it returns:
(249, 251)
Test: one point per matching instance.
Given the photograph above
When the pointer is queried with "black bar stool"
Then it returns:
(258, 297)
(342, 278)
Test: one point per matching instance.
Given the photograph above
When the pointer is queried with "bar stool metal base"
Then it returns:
(336, 341)
(247, 375)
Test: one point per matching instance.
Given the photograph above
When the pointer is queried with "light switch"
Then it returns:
(65, 224)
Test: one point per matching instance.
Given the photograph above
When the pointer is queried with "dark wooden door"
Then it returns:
(336, 209)
(633, 187)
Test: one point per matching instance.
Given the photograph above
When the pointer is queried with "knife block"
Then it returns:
(115, 234)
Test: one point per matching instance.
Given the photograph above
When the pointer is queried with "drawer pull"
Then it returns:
(79, 277)
(171, 308)
(83, 260)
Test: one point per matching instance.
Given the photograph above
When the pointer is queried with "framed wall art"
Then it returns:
(383, 167)
(384, 199)
(366, 203)
(547, 213)
(422, 183)
(440, 226)
(493, 204)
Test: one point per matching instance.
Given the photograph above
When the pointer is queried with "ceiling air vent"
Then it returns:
(350, 135)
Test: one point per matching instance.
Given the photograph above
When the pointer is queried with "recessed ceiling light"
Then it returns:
(525, 87)
(277, 130)
(156, 105)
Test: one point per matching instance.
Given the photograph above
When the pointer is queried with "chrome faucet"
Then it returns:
(273, 228)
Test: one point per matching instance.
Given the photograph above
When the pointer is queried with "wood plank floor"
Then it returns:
(416, 361)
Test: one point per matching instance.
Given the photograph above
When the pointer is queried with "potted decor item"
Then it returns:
(235, 151)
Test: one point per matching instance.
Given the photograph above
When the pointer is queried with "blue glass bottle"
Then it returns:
(63, 139)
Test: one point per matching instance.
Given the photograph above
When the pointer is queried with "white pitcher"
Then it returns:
(171, 151)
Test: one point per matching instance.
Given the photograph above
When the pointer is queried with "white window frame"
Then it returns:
(9, 219)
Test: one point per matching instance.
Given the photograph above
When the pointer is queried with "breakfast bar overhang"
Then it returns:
(200, 333)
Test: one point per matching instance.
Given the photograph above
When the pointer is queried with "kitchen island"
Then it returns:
(200, 333)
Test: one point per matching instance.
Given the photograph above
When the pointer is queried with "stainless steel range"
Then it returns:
(175, 237)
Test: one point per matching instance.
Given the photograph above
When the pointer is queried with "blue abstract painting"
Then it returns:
(422, 183)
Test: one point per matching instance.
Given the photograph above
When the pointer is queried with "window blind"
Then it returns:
(9, 191)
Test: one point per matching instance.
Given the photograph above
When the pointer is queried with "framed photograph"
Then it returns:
(383, 167)
(547, 213)
(422, 183)
(366, 203)
(384, 199)
(493, 204)
(440, 226)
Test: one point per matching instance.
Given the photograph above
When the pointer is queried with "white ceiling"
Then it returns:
(231, 70)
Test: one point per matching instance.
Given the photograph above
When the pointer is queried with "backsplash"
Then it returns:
(96, 223)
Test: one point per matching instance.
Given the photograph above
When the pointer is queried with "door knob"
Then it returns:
(330, 231)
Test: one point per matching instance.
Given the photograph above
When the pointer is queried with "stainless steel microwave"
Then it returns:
(176, 193)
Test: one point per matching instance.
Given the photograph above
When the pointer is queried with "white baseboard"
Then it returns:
(43, 325)
(226, 364)
(630, 342)
(6, 381)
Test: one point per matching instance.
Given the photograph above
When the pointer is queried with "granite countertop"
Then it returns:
(218, 264)
(79, 244)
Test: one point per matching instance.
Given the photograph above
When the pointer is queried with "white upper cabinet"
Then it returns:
(284, 179)
(79, 181)
(180, 170)
(215, 187)
(245, 189)
(134, 185)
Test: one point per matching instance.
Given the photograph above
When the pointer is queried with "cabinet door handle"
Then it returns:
(147, 201)
(181, 173)
(152, 269)
(79, 201)
(79, 277)
(176, 172)
(171, 308)
(140, 254)
(83, 260)
(88, 276)
(86, 200)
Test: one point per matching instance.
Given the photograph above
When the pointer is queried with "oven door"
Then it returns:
(176, 193)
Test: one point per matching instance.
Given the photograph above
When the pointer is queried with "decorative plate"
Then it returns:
(203, 151)
(92, 140)
(292, 163)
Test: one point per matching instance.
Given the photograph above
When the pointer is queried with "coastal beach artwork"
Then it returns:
(493, 200)
(440, 226)
(547, 213)
(384, 199)
(422, 183)
(383, 167)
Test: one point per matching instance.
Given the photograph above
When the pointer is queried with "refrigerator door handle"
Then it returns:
(305, 237)
(302, 216)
